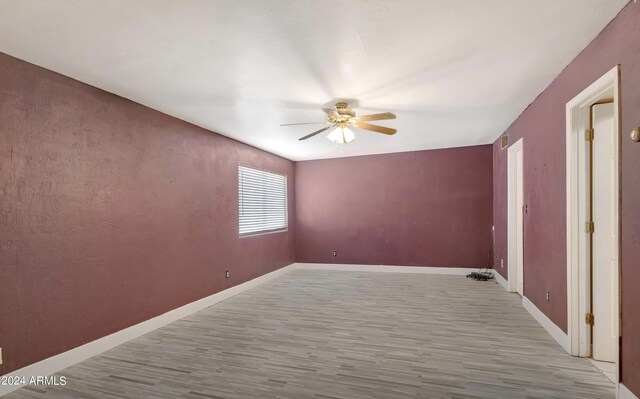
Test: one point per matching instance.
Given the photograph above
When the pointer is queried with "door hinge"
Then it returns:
(588, 134)
(590, 227)
(589, 319)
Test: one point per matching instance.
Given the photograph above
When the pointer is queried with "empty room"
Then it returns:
(207, 199)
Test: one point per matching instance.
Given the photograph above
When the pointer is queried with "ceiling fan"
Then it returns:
(341, 118)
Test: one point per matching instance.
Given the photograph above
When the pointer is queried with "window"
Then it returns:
(262, 201)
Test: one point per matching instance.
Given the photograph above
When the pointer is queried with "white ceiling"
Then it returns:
(456, 73)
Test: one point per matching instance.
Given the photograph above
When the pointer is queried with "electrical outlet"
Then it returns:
(501, 263)
(547, 296)
(334, 253)
(227, 274)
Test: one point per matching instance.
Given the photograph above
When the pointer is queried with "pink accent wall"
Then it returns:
(423, 208)
(112, 213)
(542, 125)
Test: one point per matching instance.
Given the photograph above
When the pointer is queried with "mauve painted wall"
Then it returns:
(112, 213)
(542, 125)
(423, 208)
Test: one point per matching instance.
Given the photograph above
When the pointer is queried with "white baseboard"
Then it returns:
(625, 393)
(69, 358)
(501, 280)
(560, 336)
(456, 271)
(76, 355)
(546, 323)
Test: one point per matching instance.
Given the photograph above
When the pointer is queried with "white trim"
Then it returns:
(455, 271)
(76, 355)
(546, 323)
(501, 280)
(625, 393)
(577, 206)
(69, 358)
(512, 213)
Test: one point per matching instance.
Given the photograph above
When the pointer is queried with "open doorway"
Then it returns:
(515, 211)
(593, 221)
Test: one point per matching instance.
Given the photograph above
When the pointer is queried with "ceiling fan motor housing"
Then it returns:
(344, 113)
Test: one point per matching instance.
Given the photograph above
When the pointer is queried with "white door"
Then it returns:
(605, 254)
(515, 216)
(519, 223)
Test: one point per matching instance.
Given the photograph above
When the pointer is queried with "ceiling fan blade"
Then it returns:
(324, 129)
(331, 112)
(304, 123)
(376, 117)
(376, 128)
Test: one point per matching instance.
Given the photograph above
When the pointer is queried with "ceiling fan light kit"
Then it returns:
(341, 135)
(343, 117)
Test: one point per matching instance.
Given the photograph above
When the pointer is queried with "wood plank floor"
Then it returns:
(335, 334)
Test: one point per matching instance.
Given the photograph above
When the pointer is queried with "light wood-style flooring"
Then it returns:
(336, 334)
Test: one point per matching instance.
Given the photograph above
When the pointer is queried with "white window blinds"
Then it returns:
(262, 201)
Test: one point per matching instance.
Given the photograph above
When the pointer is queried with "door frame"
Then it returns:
(578, 281)
(512, 214)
